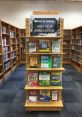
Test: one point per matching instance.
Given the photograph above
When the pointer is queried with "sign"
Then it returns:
(45, 26)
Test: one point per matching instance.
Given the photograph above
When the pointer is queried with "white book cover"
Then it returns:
(56, 46)
(54, 95)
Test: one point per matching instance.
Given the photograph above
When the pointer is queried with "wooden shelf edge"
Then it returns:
(43, 53)
(45, 69)
(51, 104)
(44, 87)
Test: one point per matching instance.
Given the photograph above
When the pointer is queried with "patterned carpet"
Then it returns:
(12, 95)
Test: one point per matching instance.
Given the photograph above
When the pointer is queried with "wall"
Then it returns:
(15, 12)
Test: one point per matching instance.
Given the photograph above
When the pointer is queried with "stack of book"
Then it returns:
(4, 30)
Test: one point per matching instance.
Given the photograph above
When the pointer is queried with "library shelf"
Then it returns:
(44, 106)
(67, 45)
(1, 74)
(7, 48)
(7, 60)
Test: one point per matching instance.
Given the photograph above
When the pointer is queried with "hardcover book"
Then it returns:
(32, 79)
(33, 62)
(56, 62)
(33, 96)
(54, 95)
(44, 96)
(32, 47)
(56, 46)
(44, 79)
(43, 46)
(56, 83)
(45, 62)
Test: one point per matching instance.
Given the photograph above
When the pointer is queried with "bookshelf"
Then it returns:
(76, 48)
(8, 48)
(66, 46)
(18, 45)
(23, 48)
(37, 69)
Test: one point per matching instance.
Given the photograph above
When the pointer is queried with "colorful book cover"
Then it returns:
(56, 83)
(44, 96)
(56, 62)
(56, 46)
(45, 62)
(44, 79)
(33, 62)
(54, 95)
(32, 79)
(44, 46)
(33, 95)
(32, 47)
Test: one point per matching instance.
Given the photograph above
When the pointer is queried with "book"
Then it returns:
(44, 96)
(56, 62)
(32, 47)
(33, 95)
(45, 61)
(54, 95)
(56, 83)
(32, 79)
(56, 46)
(44, 79)
(44, 46)
(33, 62)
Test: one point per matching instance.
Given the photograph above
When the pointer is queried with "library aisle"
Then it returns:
(12, 95)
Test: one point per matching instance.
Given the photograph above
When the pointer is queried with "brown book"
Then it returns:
(33, 62)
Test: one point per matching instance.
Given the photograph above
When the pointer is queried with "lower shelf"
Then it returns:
(44, 106)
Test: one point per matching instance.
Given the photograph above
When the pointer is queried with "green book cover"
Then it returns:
(44, 79)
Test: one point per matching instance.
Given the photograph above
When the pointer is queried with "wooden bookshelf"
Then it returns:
(66, 46)
(56, 105)
(23, 48)
(8, 48)
(18, 45)
(76, 48)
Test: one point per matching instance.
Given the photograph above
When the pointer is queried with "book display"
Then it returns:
(8, 48)
(76, 48)
(44, 52)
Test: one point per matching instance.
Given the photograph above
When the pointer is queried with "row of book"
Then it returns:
(44, 79)
(4, 29)
(43, 95)
(44, 46)
(12, 34)
(5, 49)
(7, 65)
(46, 61)
(13, 54)
(5, 57)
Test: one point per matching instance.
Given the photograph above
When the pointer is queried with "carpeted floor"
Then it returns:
(12, 95)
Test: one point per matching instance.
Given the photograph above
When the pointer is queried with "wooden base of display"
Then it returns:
(44, 106)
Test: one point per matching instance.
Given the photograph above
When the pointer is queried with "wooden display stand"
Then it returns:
(51, 105)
